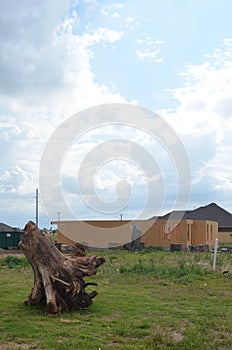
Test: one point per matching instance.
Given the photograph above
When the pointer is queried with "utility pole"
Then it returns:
(120, 216)
(58, 215)
(37, 207)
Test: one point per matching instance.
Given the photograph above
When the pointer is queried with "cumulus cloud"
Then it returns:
(41, 51)
(207, 91)
(46, 76)
(28, 51)
(203, 118)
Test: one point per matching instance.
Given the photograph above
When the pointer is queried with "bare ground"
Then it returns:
(5, 253)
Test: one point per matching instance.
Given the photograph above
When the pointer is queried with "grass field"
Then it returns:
(147, 300)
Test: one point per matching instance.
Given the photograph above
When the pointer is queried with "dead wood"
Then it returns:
(58, 280)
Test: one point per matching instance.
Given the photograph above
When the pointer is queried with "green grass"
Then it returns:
(147, 300)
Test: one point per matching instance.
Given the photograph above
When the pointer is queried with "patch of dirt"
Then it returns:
(112, 317)
(177, 336)
(13, 346)
(69, 321)
(5, 253)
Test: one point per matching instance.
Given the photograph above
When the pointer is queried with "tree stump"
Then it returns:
(58, 279)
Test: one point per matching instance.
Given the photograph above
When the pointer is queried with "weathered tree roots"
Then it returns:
(58, 280)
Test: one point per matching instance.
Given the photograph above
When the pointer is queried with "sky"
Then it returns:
(61, 58)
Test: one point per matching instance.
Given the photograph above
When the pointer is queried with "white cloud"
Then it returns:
(204, 119)
(14, 180)
(9, 128)
(65, 53)
(224, 54)
(150, 55)
(46, 76)
(28, 52)
(150, 50)
(112, 10)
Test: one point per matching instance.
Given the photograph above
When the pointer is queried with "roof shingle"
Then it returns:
(211, 212)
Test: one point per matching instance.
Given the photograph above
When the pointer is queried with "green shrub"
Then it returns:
(164, 271)
(12, 261)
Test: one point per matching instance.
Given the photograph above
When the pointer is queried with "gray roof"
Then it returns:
(7, 228)
(211, 212)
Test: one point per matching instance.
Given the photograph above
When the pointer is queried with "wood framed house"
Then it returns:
(211, 212)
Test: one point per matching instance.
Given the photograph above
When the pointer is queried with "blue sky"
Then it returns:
(180, 32)
(60, 57)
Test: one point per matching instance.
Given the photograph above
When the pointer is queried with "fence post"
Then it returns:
(215, 254)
